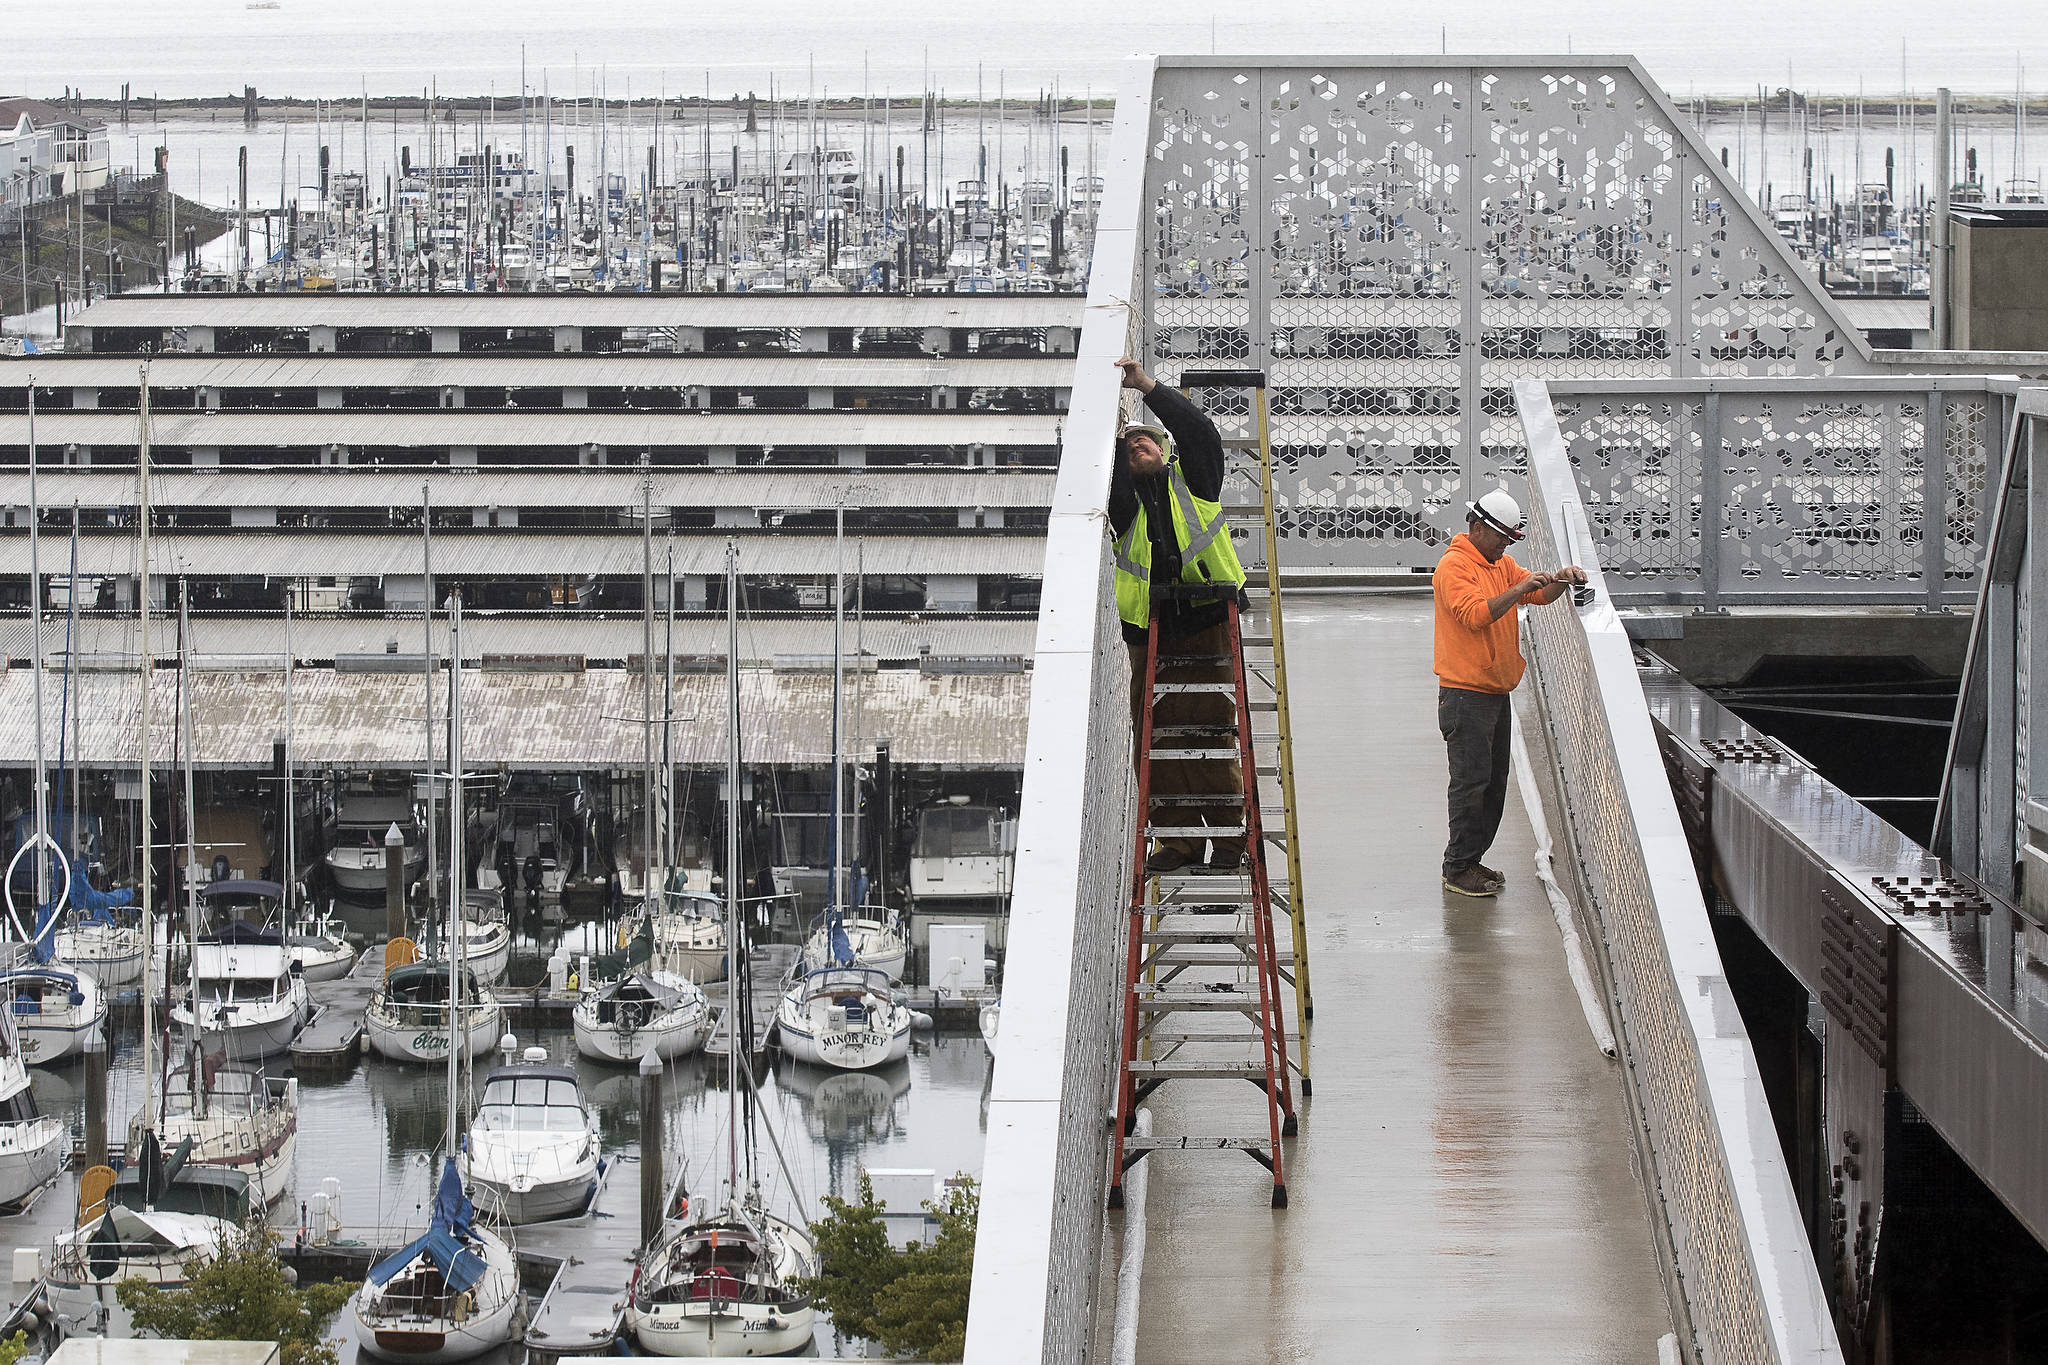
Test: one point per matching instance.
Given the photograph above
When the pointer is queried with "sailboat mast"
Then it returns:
(35, 603)
(647, 680)
(458, 948)
(427, 671)
(668, 710)
(185, 743)
(291, 807)
(732, 866)
(147, 661)
(834, 899)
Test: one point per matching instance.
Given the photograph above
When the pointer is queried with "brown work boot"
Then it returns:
(1499, 879)
(1471, 882)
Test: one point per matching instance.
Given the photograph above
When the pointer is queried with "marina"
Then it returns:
(592, 752)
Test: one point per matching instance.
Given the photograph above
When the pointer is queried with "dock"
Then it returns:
(768, 964)
(333, 1038)
(585, 1303)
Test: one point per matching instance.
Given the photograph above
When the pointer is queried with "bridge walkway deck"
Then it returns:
(1463, 1186)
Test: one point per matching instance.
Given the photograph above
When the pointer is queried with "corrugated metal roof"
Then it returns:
(1893, 314)
(583, 310)
(219, 640)
(327, 486)
(536, 427)
(525, 553)
(526, 721)
(546, 370)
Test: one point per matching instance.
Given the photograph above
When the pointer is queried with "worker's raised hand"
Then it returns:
(1135, 376)
(1532, 583)
(1572, 574)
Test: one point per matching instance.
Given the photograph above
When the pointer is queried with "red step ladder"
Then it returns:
(1201, 961)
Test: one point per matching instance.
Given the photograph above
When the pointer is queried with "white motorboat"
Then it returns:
(533, 1152)
(407, 1020)
(450, 1294)
(236, 1117)
(250, 1003)
(33, 1145)
(57, 1013)
(846, 1017)
(874, 938)
(161, 1220)
(319, 951)
(486, 936)
(356, 859)
(642, 1012)
(724, 1287)
(963, 851)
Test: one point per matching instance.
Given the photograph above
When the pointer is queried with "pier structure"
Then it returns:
(334, 456)
(1734, 1062)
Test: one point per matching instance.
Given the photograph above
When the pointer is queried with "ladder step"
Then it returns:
(1218, 995)
(1187, 755)
(1190, 955)
(1165, 689)
(1193, 1142)
(1233, 801)
(1249, 1039)
(1181, 908)
(1195, 831)
(1201, 731)
(1193, 660)
(1196, 933)
(1178, 1070)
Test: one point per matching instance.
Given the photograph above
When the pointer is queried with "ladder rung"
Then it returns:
(1234, 801)
(1195, 831)
(1194, 1070)
(1219, 995)
(1178, 1039)
(1187, 755)
(1165, 689)
(1193, 907)
(1196, 933)
(1201, 731)
(1192, 660)
(1193, 955)
(1193, 1142)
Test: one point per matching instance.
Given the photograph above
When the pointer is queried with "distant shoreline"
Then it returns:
(1822, 110)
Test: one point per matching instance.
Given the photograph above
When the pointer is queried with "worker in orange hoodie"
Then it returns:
(1478, 662)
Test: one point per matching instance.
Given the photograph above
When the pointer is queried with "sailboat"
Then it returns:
(244, 998)
(842, 1010)
(453, 1292)
(687, 928)
(234, 1116)
(58, 1013)
(721, 1281)
(643, 1012)
(423, 1009)
(162, 1217)
(318, 948)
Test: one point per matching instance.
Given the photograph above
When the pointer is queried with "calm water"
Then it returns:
(308, 47)
(378, 1129)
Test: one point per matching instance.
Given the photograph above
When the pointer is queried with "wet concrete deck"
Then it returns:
(1462, 1186)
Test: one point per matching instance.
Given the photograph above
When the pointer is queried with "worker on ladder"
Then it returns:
(1165, 495)
(1478, 587)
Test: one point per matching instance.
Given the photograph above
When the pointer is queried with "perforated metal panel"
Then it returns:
(1399, 242)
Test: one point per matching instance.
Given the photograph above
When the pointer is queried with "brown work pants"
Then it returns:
(1193, 777)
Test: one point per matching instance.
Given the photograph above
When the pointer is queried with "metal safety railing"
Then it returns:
(1727, 492)
(1039, 1238)
(1745, 1282)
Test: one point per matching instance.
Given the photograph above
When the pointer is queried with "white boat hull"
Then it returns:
(875, 944)
(521, 1202)
(404, 1040)
(246, 1032)
(666, 1040)
(112, 953)
(723, 1331)
(323, 962)
(31, 1154)
(48, 1039)
(851, 1048)
(361, 870)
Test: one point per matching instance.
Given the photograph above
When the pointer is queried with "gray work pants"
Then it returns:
(1478, 728)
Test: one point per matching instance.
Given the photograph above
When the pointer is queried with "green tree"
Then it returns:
(243, 1294)
(910, 1299)
(13, 1348)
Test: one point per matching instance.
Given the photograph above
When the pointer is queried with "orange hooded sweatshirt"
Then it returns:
(1472, 652)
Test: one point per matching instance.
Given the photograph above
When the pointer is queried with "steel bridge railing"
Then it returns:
(1046, 1163)
(1716, 1175)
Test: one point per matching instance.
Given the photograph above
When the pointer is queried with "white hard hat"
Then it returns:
(1499, 511)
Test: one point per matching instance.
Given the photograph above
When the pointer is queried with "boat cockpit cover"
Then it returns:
(444, 1242)
(242, 888)
(87, 903)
